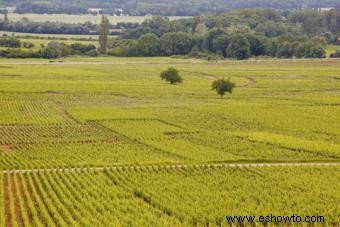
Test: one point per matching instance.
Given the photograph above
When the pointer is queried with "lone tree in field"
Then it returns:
(172, 76)
(222, 86)
(103, 34)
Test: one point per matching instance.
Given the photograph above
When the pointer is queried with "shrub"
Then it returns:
(56, 50)
(117, 51)
(27, 45)
(79, 48)
(92, 53)
(172, 76)
(18, 53)
(10, 42)
(222, 86)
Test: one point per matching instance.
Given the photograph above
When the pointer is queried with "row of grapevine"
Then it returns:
(75, 199)
(260, 151)
(167, 196)
(52, 134)
(26, 111)
(236, 191)
(162, 135)
(82, 155)
(326, 149)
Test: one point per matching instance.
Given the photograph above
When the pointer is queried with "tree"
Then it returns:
(196, 21)
(176, 43)
(285, 50)
(27, 45)
(172, 76)
(271, 47)
(222, 86)
(157, 25)
(239, 48)
(6, 17)
(201, 30)
(53, 50)
(10, 42)
(148, 45)
(257, 44)
(212, 35)
(220, 44)
(103, 34)
(271, 29)
(79, 48)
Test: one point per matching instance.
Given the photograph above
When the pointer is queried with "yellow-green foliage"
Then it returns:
(328, 149)
(108, 112)
(197, 195)
(40, 43)
(164, 196)
(54, 114)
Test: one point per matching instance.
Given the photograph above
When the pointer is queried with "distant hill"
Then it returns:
(160, 7)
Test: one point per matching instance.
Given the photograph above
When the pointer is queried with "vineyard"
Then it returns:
(83, 120)
(146, 196)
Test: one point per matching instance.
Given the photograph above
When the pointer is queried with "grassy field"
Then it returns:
(68, 18)
(42, 41)
(107, 112)
(39, 43)
(51, 36)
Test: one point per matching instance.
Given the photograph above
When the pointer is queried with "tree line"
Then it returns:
(240, 35)
(159, 7)
(87, 28)
(270, 22)
(52, 50)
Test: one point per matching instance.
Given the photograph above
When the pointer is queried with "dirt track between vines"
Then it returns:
(176, 166)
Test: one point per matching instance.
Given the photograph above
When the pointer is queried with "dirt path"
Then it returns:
(128, 62)
(70, 63)
(251, 80)
(177, 166)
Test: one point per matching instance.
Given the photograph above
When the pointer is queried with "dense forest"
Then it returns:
(87, 28)
(239, 34)
(160, 7)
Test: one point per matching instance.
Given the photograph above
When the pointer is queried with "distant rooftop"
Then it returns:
(325, 9)
(95, 10)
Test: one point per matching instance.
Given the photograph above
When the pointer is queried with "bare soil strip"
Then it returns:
(78, 63)
(8, 148)
(22, 195)
(16, 203)
(6, 203)
(177, 166)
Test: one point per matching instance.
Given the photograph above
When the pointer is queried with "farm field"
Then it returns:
(48, 36)
(82, 18)
(148, 153)
(143, 197)
(38, 43)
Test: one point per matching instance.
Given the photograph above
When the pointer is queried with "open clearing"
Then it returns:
(105, 142)
(81, 18)
(50, 37)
